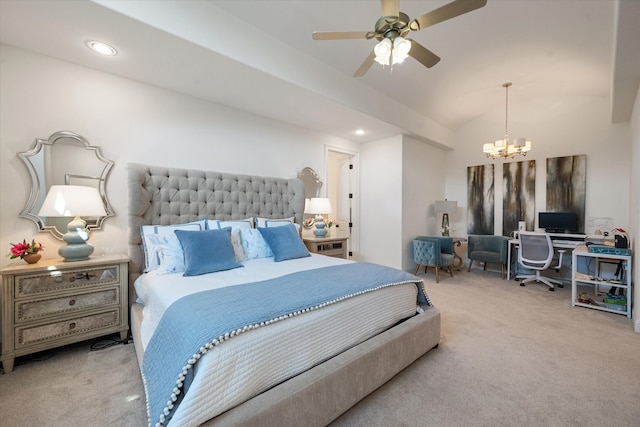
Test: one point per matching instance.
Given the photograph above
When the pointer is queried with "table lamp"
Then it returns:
(73, 201)
(319, 206)
(445, 207)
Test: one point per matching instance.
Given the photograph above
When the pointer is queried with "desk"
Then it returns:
(558, 244)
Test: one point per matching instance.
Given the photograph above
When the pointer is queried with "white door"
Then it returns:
(341, 184)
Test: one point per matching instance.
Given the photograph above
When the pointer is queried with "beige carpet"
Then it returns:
(509, 356)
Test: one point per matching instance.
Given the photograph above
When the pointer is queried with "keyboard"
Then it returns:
(568, 242)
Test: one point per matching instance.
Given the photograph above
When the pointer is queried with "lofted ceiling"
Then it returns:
(258, 56)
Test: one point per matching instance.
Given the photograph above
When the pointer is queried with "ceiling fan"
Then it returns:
(393, 26)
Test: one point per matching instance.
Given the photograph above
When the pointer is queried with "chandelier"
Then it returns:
(502, 148)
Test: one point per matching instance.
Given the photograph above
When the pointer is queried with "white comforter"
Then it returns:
(252, 362)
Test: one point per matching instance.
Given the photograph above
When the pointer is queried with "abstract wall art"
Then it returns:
(518, 195)
(480, 199)
(566, 186)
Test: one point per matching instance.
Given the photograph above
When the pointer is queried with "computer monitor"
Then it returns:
(558, 222)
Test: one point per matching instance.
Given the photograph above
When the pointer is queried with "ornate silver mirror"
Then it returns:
(312, 183)
(66, 158)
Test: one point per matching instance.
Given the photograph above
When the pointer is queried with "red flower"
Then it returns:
(19, 250)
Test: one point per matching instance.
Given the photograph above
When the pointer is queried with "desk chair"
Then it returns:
(536, 253)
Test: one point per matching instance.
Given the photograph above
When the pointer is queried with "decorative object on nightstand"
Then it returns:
(29, 252)
(308, 223)
(319, 206)
(55, 303)
(445, 207)
(74, 201)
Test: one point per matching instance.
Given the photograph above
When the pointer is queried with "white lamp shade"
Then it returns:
(71, 201)
(319, 206)
(401, 47)
(383, 52)
(446, 206)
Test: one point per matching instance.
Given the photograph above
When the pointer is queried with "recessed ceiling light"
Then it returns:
(101, 48)
(359, 132)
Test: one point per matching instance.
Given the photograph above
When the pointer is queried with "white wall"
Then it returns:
(423, 168)
(634, 203)
(583, 127)
(401, 178)
(131, 122)
(381, 202)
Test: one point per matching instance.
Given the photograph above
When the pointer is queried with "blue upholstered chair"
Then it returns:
(434, 252)
(488, 249)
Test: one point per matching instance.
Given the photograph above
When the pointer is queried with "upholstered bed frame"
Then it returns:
(160, 195)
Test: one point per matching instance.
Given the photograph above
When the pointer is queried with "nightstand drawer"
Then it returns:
(56, 280)
(29, 335)
(42, 308)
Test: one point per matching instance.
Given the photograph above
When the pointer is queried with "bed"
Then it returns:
(304, 366)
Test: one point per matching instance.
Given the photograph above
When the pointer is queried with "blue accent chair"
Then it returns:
(488, 249)
(434, 252)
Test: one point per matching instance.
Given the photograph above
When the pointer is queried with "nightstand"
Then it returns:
(330, 246)
(54, 303)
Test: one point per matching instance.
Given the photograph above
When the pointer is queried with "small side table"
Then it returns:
(54, 303)
(330, 246)
(457, 241)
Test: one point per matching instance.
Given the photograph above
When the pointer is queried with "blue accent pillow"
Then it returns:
(285, 242)
(207, 251)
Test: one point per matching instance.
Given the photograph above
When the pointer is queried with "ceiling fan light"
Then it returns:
(383, 52)
(401, 46)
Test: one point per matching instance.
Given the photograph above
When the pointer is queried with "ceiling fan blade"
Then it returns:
(333, 35)
(390, 7)
(422, 54)
(448, 11)
(364, 67)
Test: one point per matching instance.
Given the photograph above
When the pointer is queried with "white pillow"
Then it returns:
(171, 262)
(253, 244)
(276, 222)
(216, 224)
(273, 222)
(154, 241)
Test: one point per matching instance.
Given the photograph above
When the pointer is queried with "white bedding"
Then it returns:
(157, 292)
(255, 361)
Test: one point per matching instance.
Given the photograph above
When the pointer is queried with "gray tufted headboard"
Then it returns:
(162, 196)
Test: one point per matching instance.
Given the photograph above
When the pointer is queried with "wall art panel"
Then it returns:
(566, 186)
(518, 195)
(480, 199)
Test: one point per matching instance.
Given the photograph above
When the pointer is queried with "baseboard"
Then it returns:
(636, 327)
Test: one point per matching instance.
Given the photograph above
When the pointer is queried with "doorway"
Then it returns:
(342, 193)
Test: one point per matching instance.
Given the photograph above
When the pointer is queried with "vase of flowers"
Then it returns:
(29, 252)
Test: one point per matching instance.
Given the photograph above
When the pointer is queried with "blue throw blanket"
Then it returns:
(198, 322)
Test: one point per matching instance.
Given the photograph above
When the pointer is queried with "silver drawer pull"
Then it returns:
(72, 302)
(72, 325)
(59, 279)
